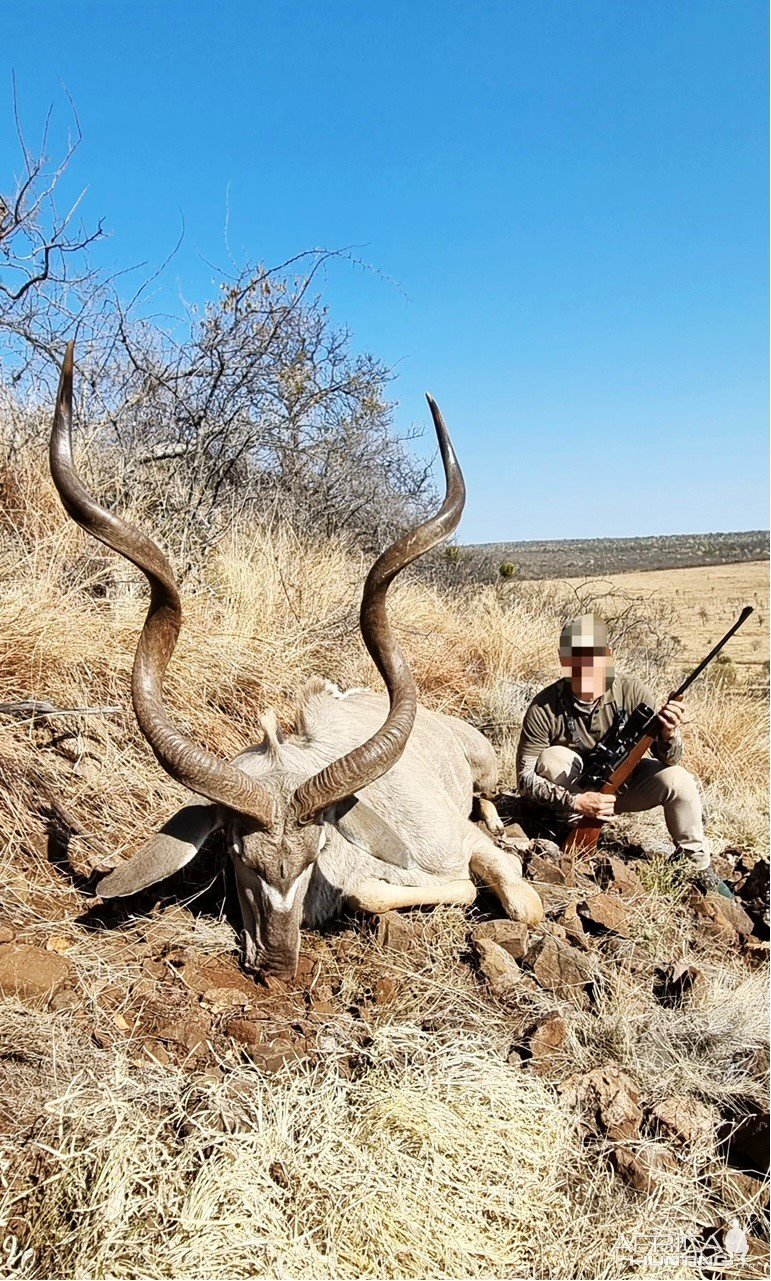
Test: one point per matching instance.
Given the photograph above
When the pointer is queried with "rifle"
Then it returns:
(610, 762)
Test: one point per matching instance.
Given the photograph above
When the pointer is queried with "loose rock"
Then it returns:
(724, 920)
(498, 966)
(30, 973)
(511, 935)
(246, 1032)
(616, 874)
(386, 990)
(605, 912)
(561, 969)
(644, 1169)
(65, 999)
(683, 1119)
(272, 1056)
(213, 973)
(544, 1039)
(192, 1033)
(543, 869)
(608, 1101)
(570, 922)
(396, 933)
(514, 832)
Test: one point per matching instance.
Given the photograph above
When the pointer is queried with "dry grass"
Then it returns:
(405, 1144)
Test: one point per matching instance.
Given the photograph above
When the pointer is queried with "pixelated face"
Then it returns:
(586, 657)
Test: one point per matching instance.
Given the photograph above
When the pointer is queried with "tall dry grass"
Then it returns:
(435, 1157)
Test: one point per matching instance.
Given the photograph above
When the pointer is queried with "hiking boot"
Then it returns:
(709, 882)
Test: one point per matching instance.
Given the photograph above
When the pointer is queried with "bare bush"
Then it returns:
(252, 403)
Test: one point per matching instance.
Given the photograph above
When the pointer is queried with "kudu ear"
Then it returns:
(178, 841)
(364, 828)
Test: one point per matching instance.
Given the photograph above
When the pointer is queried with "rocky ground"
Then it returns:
(611, 1000)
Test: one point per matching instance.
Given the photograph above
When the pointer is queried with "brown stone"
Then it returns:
(733, 912)
(756, 952)
(572, 924)
(723, 920)
(246, 1032)
(386, 990)
(272, 1055)
(191, 1032)
(625, 952)
(605, 912)
(498, 966)
(307, 967)
(396, 933)
(514, 832)
(65, 999)
(608, 1101)
(30, 973)
(561, 968)
(543, 869)
(322, 1007)
(614, 873)
(553, 897)
(683, 1119)
(156, 1052)
(6, 934)
(225, 998)
(645, 1169)
(545, 1039)
(511, 935)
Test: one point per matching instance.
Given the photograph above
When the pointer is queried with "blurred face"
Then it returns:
(590, 672)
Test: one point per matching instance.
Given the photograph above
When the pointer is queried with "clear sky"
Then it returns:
(565, 201)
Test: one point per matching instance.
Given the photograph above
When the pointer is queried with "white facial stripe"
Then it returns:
(278, 901)
(322, 838)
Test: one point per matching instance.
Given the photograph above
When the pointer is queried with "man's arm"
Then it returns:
(533, 740)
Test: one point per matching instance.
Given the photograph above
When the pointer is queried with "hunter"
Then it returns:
(567, 718)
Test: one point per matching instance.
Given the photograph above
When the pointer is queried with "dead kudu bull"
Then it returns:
(364, 804)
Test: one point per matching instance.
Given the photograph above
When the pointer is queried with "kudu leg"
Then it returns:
(490, 816)
(372, 895)
(501, 871)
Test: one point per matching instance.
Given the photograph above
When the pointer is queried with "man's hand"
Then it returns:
(595, 805)
(671, 717)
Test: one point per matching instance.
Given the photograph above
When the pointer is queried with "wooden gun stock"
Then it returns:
(583, 838)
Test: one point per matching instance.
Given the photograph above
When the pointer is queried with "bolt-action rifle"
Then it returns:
(610, 762)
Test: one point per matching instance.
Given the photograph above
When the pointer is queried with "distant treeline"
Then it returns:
(578, 558)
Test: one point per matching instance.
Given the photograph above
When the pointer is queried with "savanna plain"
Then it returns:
(400, 1110)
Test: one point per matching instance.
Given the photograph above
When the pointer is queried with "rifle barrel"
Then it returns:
(705, 661)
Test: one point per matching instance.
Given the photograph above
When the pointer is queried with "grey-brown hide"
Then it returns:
(409, 828)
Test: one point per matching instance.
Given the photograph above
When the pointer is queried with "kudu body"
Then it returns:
(364, 803)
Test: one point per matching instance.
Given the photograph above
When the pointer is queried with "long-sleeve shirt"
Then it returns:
(555, 718)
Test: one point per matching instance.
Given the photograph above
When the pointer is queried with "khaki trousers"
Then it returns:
(650, 784)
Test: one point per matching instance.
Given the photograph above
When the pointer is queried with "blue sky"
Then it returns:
(565, 202)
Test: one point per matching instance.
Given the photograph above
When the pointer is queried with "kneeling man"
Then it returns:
(567, 718)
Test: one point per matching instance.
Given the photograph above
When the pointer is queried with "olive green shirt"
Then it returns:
(554, 719)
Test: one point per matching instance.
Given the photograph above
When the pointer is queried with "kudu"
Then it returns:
(365, 803)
